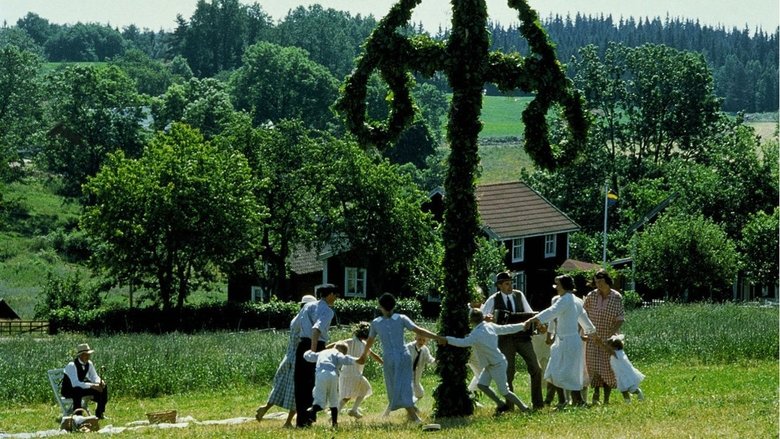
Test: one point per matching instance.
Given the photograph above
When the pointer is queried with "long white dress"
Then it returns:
(627, 376)
(352, 383)
(567, 361)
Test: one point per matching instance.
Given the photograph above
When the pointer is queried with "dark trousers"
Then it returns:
(304, 383)
(100, 398)
(511, 345)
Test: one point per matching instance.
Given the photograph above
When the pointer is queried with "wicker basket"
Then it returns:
(167, 417)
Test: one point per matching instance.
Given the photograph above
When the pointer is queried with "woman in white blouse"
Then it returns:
(566, 365)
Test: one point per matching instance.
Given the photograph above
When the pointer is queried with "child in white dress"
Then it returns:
(352, 383)
(326, 381)
(627, 376)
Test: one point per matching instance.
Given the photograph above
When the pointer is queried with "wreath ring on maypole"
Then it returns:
(387, 52)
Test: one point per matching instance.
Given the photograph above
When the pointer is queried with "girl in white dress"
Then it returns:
(352, 383)
(627, 376)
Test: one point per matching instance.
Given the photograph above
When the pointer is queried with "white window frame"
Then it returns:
(550, 245)
(518, 246)
(519, 281)
(356, 275)
(258, 294)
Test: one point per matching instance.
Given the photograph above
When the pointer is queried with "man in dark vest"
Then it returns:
(510, 306)
(81, 379)
(316, 318)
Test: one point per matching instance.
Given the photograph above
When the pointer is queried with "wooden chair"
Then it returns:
(66, 404)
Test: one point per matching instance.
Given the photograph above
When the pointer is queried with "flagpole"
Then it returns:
(606, 207)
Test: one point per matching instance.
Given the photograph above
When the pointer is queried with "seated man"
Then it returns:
(81, 379)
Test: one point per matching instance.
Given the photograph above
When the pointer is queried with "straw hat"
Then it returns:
(83, 348)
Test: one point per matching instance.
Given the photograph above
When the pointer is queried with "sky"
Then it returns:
(161, 14)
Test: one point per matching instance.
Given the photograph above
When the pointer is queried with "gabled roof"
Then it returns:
(514, 210)
(303, 261)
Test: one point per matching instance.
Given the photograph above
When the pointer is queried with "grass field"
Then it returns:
(27, 253)
(501, 116)
(712, 370)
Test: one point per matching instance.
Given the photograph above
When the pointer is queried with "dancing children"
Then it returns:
(484, 340)
(326, 381)
(389, 327)
(421, 357)
(627, 376)
(352, 383)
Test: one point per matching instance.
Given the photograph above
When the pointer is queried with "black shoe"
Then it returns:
(502, 409)
(102, 417)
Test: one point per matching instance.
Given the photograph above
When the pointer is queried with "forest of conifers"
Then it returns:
(744, 62)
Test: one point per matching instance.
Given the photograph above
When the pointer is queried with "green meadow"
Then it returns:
(712, 371)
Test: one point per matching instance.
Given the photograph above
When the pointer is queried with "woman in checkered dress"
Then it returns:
(605, 309)
(283, 391)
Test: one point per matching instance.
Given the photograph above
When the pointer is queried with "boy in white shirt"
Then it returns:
(483, 339)
(326, 381)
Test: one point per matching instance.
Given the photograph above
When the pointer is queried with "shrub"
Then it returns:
(631, 300)
(215, 316)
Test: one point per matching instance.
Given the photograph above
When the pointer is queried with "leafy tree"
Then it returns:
(324, 191)
(171, 216)
(759, 246)
(283, 83)
(686, 257)
(728, 181)
(84, 42)
(10, 36)
(154, 44)
(200, 103)
(488, 260)
(217, 34)
(332, 38)
(95, 110)
(651, 102)
(180, 69)
(20, 109)
(151, 77)
(374, 211)
(37, 27)
(284, 158)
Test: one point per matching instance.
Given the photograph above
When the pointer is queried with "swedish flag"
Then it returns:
(612, 198)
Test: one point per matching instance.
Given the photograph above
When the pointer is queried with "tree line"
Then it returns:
(744, 62)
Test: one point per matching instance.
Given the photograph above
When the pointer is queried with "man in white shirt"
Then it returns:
(483, 339)
(507, 306)
(315, 322)
(81, 379)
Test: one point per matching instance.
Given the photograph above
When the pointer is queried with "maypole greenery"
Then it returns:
(468, 64)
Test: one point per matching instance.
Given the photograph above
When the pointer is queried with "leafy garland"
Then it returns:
(468, 64)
